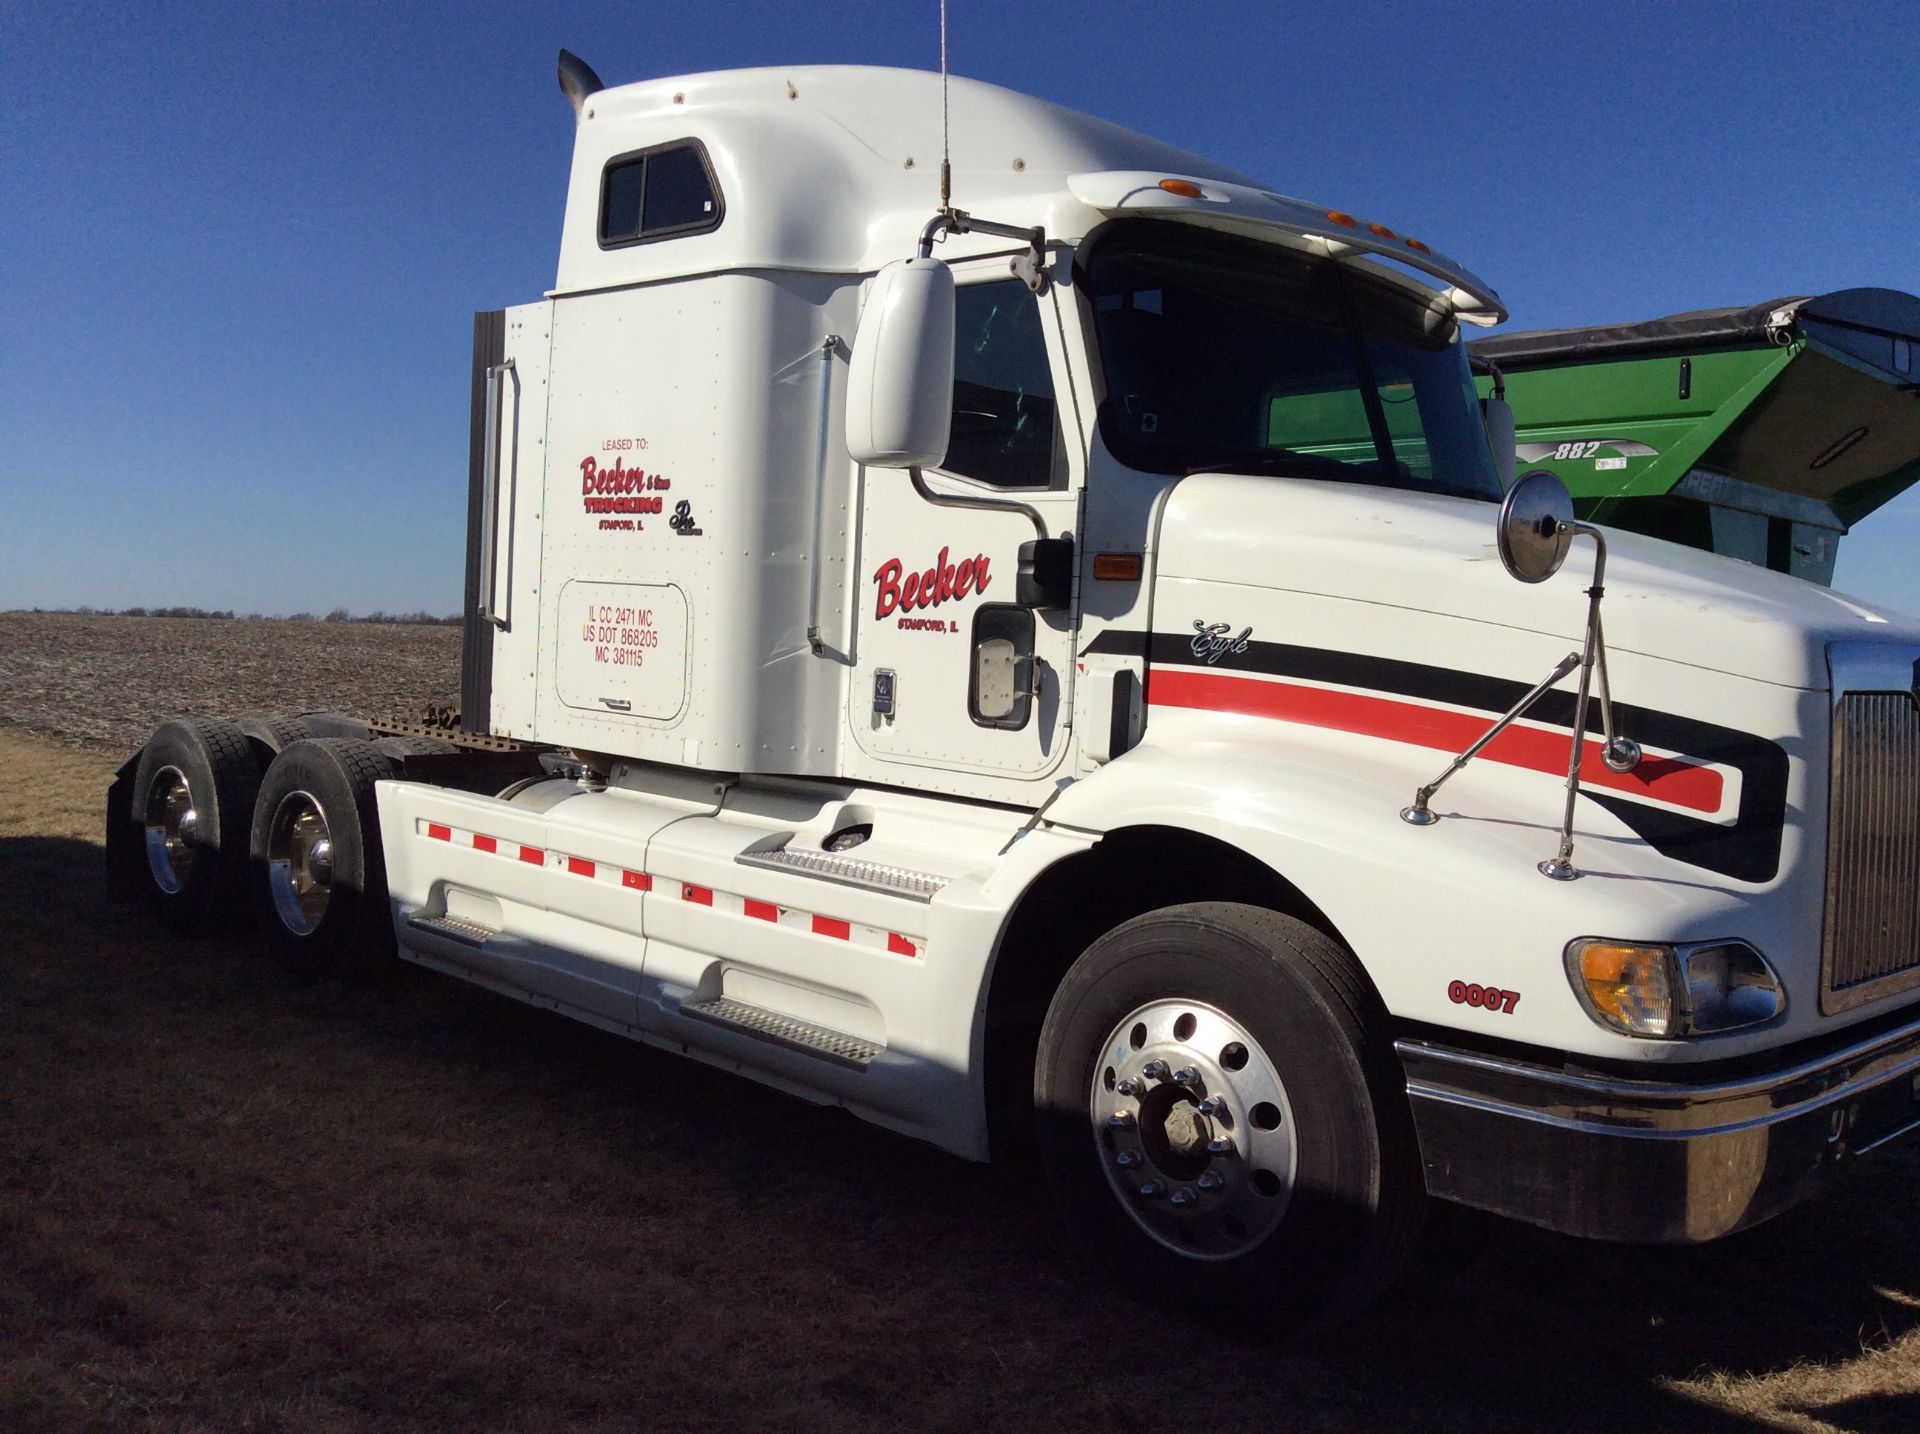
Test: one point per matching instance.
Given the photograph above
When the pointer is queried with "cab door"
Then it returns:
(952, 671)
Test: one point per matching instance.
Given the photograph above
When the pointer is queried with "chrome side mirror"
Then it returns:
(1536, 526)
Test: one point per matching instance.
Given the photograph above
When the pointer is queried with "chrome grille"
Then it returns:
(1871, 948)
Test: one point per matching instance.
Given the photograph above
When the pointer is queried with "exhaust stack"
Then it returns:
(578, 82)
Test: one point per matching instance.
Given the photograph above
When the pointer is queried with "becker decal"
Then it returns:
(943, 582)
(631, 493)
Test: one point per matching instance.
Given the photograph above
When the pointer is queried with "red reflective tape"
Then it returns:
(636, 881)
(698, 895)
(579, 866)
(1666, 779)
(827, 926)
(483, 843)
(438, 832)
(533, 856)
(762, 910)
(900, 945)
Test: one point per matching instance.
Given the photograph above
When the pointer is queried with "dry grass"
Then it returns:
(229, 1200)
(113, 679)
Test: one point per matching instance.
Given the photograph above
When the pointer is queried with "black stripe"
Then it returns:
(1749, 850)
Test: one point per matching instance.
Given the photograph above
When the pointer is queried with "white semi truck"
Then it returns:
(1010, 663)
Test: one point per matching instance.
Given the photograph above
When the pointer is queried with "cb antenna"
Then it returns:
(946, 150)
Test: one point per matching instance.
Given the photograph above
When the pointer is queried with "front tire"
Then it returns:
(318, 874)
(1221, 1120)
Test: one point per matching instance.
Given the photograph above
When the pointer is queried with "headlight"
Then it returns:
(1666, 992)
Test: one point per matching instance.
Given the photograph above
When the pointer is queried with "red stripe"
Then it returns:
(698, 895)
(762, 910)
(1666, 778)
(483, 843)
(438, 832)
(899, 945)
(636, 881)
(533, 856)
(827, 926)
(579, 866)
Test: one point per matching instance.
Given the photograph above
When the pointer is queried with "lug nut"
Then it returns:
(1212, 1105)
(1210, 1180)
(1152, 1190)
(1128, 1086)
(1120, 1120)
(1187, 1076)
(1127, 1159)
(1184, 1198)
(1220, 1145)
(1154, 1070)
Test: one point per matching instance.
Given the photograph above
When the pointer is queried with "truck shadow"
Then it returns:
(868, 1278)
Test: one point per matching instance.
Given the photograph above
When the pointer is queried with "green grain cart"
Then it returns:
(1763, 433)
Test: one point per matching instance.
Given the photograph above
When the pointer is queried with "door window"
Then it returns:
(1006, 429)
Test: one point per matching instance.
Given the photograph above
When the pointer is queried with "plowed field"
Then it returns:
(231, 1200)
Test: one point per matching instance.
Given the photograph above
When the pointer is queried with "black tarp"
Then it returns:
(1885, 312)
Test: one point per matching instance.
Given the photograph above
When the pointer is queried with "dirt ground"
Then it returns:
(230, 1200)
(113, 679)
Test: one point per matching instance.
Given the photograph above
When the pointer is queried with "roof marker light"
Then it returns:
(1185, 188)
(1382, 231)
(1345, 221)
(1416, 244)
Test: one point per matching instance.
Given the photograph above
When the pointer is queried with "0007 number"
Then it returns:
(1485, 998)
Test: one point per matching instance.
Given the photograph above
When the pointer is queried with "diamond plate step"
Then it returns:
(785, 1031)
(849, 871)
(467, 933)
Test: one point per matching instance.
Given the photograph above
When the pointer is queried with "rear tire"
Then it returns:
(1222, 1121)
(318, 873)
(193, 796)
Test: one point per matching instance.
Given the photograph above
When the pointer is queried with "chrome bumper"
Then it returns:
(1657, 1161)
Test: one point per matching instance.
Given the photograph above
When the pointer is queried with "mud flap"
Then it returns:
(126, 857)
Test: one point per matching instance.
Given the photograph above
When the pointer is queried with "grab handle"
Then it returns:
(492, 448)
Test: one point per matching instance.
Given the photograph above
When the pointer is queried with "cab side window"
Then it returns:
(1006, 430)
(657, 193)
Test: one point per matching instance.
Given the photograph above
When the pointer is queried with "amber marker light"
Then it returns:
(1626, 985)
(1185, 188)
(1344, 220)
(1382, 231)
(1117, 567)
(1416, 244)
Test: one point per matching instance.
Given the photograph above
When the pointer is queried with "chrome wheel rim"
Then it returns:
(300, 862)
(173, 829)
(1193, 1129)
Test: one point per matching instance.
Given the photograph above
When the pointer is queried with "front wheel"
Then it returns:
(1220, 1118)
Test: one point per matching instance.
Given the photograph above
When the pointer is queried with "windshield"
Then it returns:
(1228, 353)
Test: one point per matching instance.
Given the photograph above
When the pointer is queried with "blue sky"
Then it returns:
(241, 245)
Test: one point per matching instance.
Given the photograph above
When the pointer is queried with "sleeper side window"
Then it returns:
(657, 194)
(1006, 429)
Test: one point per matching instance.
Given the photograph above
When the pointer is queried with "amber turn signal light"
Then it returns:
(1117, 567)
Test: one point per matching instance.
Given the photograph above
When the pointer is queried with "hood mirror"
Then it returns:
(1536, 527)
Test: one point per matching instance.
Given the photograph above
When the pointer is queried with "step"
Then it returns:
(785, 1031)
(848, 870)
(467, 933)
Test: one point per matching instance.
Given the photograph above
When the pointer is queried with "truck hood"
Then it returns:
(1431, 554)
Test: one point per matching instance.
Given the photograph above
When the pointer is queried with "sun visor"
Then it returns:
(1333, 232)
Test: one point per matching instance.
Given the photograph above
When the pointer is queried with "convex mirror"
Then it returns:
(1535, 526)
(900, 379)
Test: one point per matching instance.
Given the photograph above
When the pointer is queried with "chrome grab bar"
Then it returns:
(491, 448)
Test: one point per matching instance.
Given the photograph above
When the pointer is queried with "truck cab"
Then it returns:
(1049, 658)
